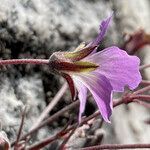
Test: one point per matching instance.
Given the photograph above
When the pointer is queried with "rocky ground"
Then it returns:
(35, 29)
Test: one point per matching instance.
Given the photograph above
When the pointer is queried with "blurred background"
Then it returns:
(36, 29)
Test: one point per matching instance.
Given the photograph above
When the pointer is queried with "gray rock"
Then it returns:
(49, 23)
(29, 93)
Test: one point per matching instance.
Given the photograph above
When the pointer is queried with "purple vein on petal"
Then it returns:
(101, 90)
(82, 95)
(120, 68)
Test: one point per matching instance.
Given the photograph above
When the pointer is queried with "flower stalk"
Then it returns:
(145, 82)
(24, 61)
(48, 140)
(117, 146)
(144, 66)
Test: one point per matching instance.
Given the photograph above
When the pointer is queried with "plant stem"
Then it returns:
(39, 61)
(50, 119)
(145, 89)
(140, 102)
(48, 140)
(67, 139)
(143, 97)
(145, 82)
(68, 108)
(53, 102)
(56, 115)
(20, 128)
(24, 61)
(117, 146)
(144, 66)
(41, 144)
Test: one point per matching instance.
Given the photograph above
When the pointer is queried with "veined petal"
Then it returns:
(103, 28)
(101, 90)
(120, 68)
(82, 95)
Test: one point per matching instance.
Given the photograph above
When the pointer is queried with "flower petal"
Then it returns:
(103, 28)
(101, 90)
(120, 68)
(82, 95)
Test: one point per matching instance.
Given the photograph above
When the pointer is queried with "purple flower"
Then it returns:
(101, 73)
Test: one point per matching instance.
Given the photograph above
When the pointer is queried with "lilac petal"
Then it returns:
(103, 28)
(120, 68)
(82, 95)
(101, 90)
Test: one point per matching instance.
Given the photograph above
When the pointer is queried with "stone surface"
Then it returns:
(28, 92)
(51, 24)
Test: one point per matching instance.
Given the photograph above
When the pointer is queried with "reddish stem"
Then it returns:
(24, 61)
(48, 140)
(20, 128)
(146, 105)
(117, 146)
(144, 66)
(50, 119)
(141, 97)
(42, 144)
(145, 82)
(145, 89)
(39, 61)
(51, 139)
(51, 105)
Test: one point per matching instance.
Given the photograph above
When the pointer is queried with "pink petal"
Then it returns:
(101, 90)
(117, 66)
(103, 28)
(82, 95)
